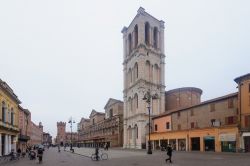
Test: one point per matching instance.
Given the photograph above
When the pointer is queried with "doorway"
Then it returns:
(209, 143)
(3, 143)
(247, 143)
(195, 143)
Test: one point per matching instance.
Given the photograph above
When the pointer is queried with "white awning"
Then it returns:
(227, 137)
(246, 134)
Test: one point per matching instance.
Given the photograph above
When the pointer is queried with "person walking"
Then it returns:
(169, 153)
(97, 153)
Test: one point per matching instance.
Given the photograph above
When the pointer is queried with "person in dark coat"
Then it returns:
(169, 153)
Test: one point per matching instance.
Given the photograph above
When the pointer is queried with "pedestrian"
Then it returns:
(97, 153)
(107, 146)
(169, 153)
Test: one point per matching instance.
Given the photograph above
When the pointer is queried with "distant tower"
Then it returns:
(61, 130)
(143, 70)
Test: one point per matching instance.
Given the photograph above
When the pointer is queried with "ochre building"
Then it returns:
(9, 119)
(220, 124)
(103, 128)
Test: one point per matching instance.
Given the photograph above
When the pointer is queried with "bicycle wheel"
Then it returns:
(93, 157)
(104, 156)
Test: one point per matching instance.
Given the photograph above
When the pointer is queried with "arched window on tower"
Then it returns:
(156, 74)
(136, 101)
(129, 43)
(136, 36)
(135, 71)
(155, 38)
(129, 76)
(147, 33)
(147, 70)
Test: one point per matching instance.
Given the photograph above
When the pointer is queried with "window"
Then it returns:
(249, 88)
(147, 28)
(167, 125)
(129, 43)
(192, 125)
(249, 101)
(212, 107)
(12, 118)
(136, 71)
(179, 114)
(191, 112)
(111, 113)
(3, 111)
(230, 103)
(93, 121)
(155, 37)
(230, 120)
(179, 127)
(156, 127)
(247, 121)
(136, 100)
(136, 35)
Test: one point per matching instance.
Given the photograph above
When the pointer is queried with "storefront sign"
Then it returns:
(227, 137)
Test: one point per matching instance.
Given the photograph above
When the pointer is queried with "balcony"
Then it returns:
(23, 138)
(8, 126)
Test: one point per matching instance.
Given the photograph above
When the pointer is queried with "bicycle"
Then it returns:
(101, 156)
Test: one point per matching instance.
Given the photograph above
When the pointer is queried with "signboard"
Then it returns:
(227, 137)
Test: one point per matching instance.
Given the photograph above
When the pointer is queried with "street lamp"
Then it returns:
(71, 121)
(147, 97)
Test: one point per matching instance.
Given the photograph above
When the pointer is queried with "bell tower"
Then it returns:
(61, 133)
(143, 70)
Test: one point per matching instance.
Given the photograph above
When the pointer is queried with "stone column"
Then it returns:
(0, 144)
(6, 147)
(9, 143)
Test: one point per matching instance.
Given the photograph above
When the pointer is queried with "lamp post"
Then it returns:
(147, 97)
(71, 121)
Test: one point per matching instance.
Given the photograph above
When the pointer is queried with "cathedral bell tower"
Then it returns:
(143, 70)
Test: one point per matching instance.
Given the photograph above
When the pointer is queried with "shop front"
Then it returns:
(228, 142)
(195, 144)
(182, 144)
(209, 143)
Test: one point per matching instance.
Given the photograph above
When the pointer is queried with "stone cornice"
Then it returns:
(146, 48)
(144, 81)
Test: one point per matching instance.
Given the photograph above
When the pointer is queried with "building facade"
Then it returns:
(143, 70)
(9, 119)
(61, 133)
(47, 139)
(219, 125)
(24, 128)
(36, 134)
(244, 110)
(103, 128)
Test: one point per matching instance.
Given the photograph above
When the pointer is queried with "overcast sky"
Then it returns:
(64, 58)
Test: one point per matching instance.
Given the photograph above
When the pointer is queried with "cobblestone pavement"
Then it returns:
(119, 157)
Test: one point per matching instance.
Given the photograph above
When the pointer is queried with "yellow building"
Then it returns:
(9, 118)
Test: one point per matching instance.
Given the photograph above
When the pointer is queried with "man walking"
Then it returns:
(169, 153)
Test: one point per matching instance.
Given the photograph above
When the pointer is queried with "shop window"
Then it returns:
(192, 125)
(156, 127)
(230, 103)
(167, 125)
(212, 107)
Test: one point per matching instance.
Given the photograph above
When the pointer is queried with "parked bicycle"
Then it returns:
(101, 156)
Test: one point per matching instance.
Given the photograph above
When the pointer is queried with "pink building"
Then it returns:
(24, 128)
(36, 134)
